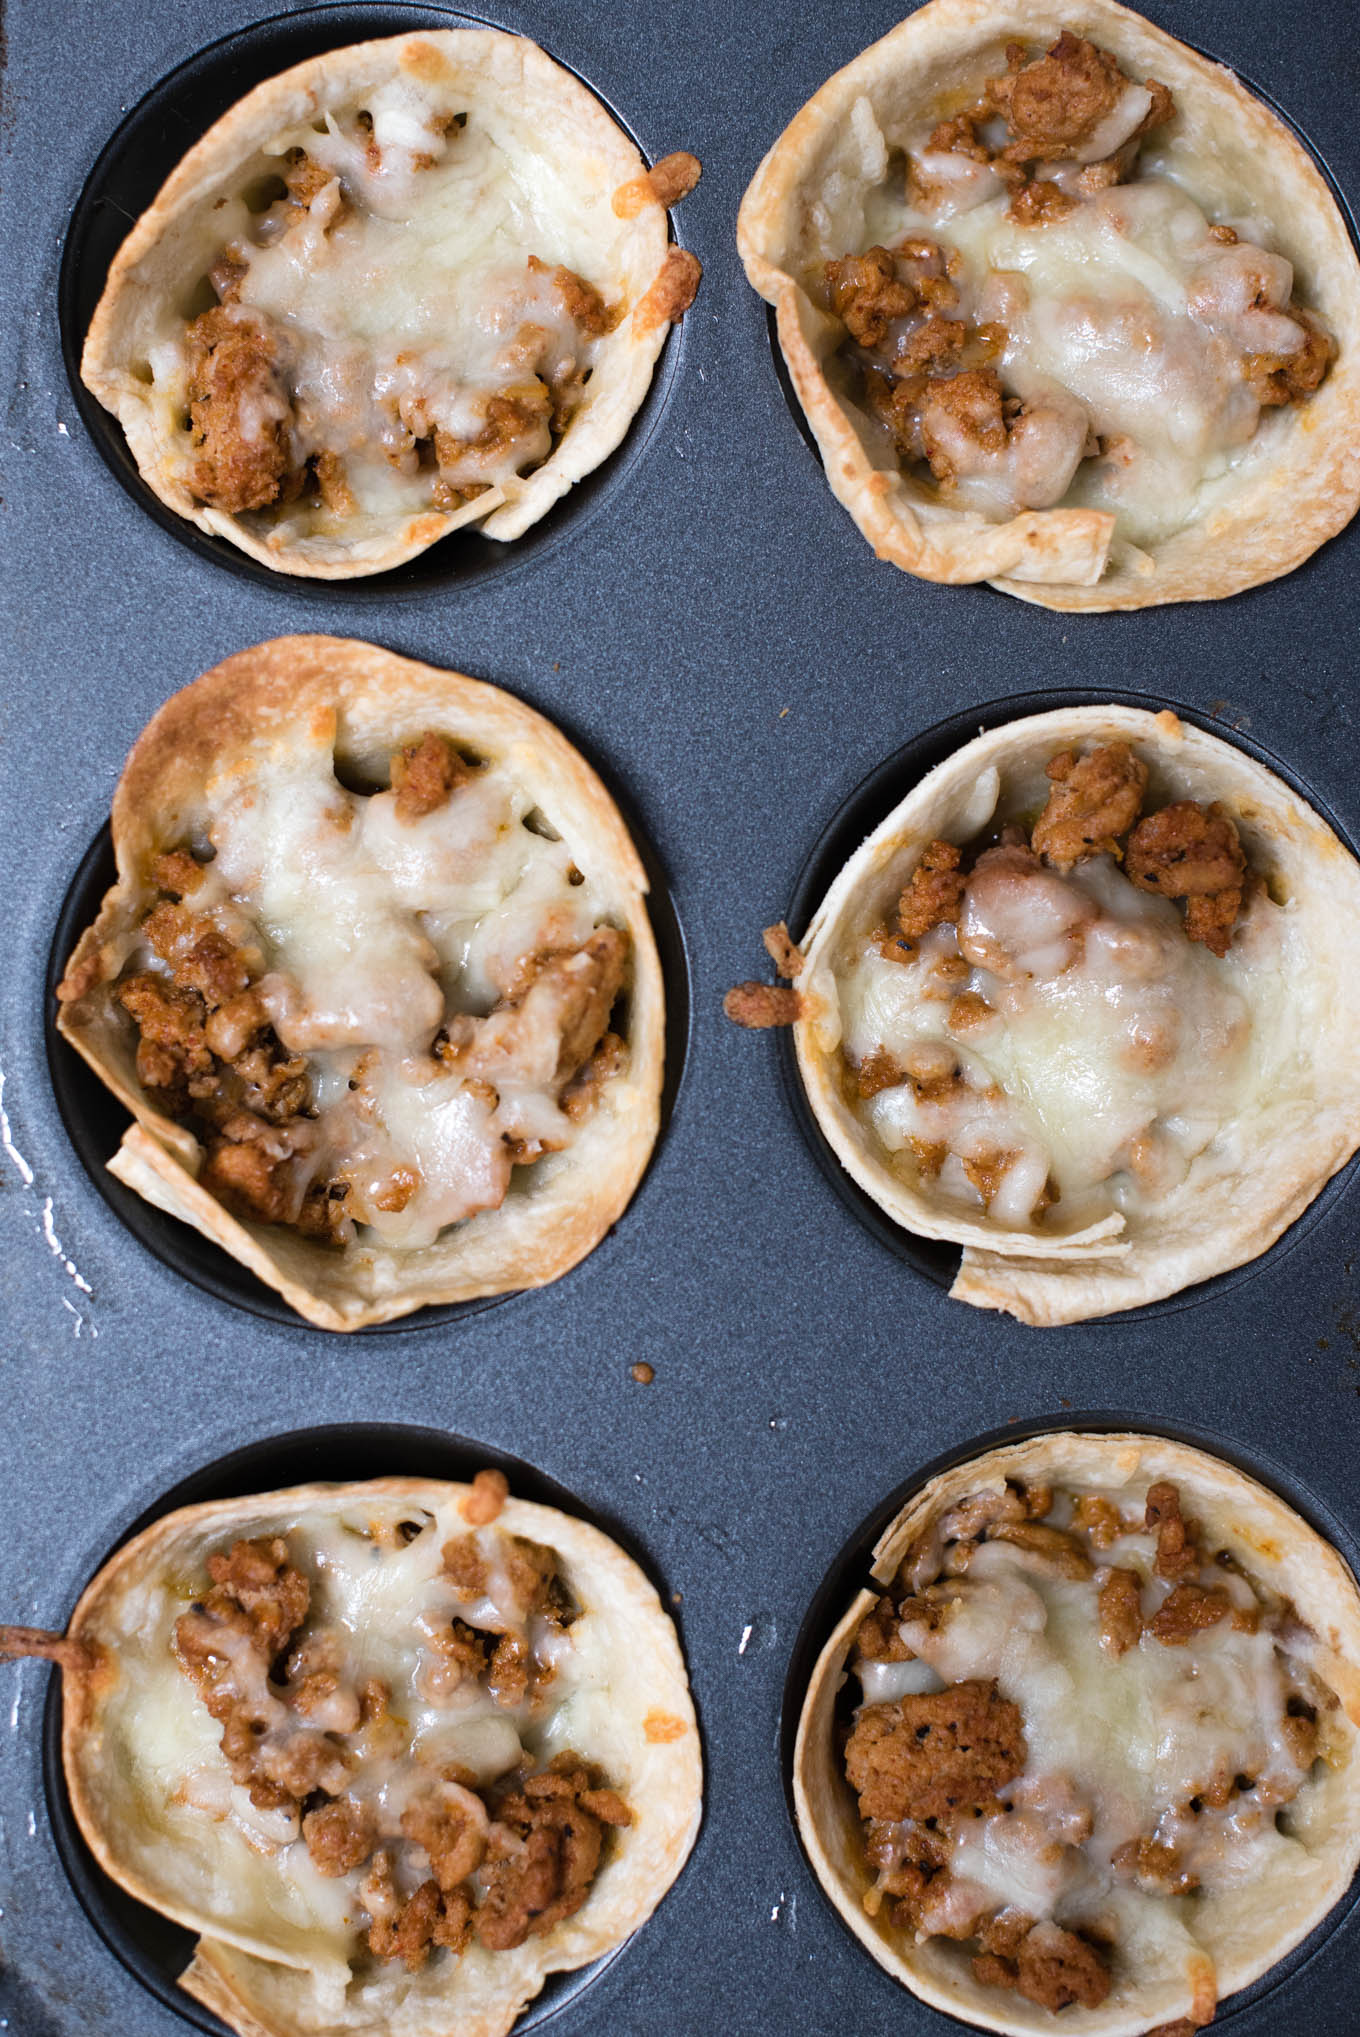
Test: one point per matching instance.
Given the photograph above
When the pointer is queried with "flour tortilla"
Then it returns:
(1253, 1927)
(255, 705)
(555, 128)
(805, 206)
(125, 1620)
(1231, 1206)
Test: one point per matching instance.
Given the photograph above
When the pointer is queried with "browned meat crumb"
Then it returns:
(970, 402)
(1040, 201)
(1051, 1967)
(877, 1638)
(465, 1566)
(1301, 1731)
(1284, 378)
(250, 1168)
(1186, 1611)
(580, 300)
(425, 773)
(452, 1835)
(941, 1755)
(935, 892)
(172, 1053)
(582, 1093)
(481, 1506)
(543, 1852)
(1177, 1553)
(642, 1373)
(510, 1670)
(968, 1011)
(1157, 1869)
(339, 1836)
(1100, 1519)
(1121, 1614)
(1095, 800)
(867, 293)
(1054, 105)
(234, 369)
(782, 950)
(757, 1005)
(410, 1930)
(876, 1071)
(332, 486)
(200, 956)
(986, 1171)
(1193, 852)
(176, 873)
(1054, 1546)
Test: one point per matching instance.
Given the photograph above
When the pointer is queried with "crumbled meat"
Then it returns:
(580, 300)
(486, 1499)
(543, 1851)
(1100, 1519)
(1050, 1967)
(305, 178)
(969, 403)
(450, 1823)
(582, 1094)
(1040, 201)
(1192, 852)
(1055, 105)
(987, 1169)
(507, 422)
(566, 992)
(1177, 1553)
(240, 416)
(1095, 800)
(424, 774)
(867, 293)
(258, 1579)
(1121, 1613)
(250, 1167)
(510, 1670)
(465, 1566)
(199, 954)
(968, 1012)
(332, 485)
(409, 1930)
(1284, 378)
(943, 1754)
(1186, 1611)
(176, 872)
(1157, 1869)
(877, 1638)
(339, 1836)
(878, 1070)
(783, 950)
(462, 1653)
(1301, 1731)
(757, 1005)
(934, 894)
(172, 1053)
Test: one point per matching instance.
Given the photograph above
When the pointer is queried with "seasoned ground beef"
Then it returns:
(339, 1836)
(758, 1005)
(1050, 1967)
(543, 1851)
(935, 892)
(1185, 1611)
(942, 1755)
(1055, 105)
(1177, 1553)
(1121, 1615)
(425, 773)
(240, 414)
(1094, 802)
(1193, 852)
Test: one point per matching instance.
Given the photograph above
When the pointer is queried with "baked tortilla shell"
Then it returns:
(263, 703)
(268, 1987)
(1235, 1201)
(538, 110)
(1242, 1933)
(805, 206)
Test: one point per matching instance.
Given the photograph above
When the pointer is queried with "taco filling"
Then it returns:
(417, 1782)
(1082, 1722)
(1059, 1014)
(1040, 312)
(372, 1008)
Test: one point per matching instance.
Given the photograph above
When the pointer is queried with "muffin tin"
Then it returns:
(708, 625)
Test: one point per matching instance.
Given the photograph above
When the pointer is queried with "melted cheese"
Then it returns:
(374, 1599)
(402, 300)
(1117, 1052)
(1126, 303)
(1117, 1746)
(376, 932)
